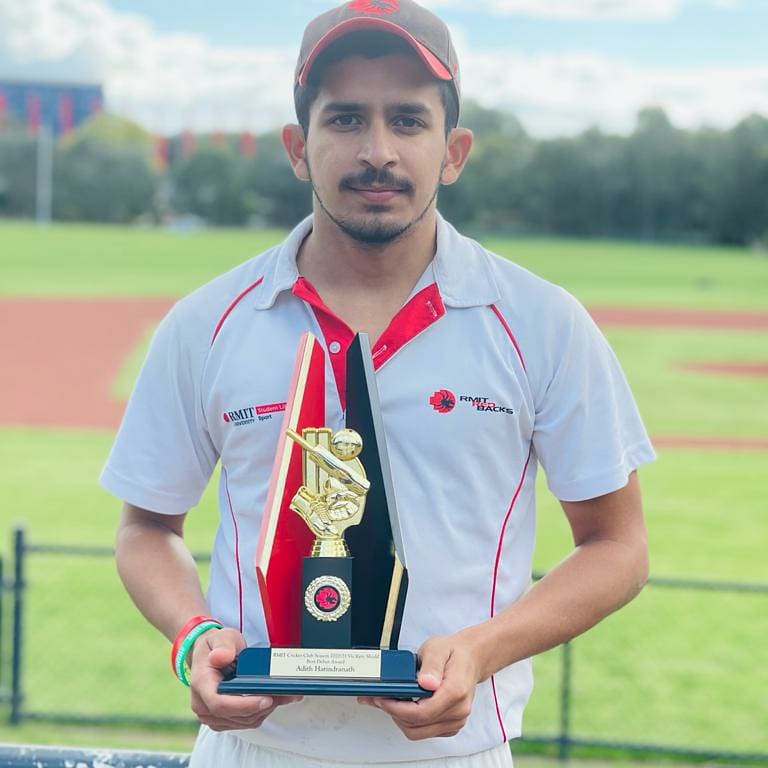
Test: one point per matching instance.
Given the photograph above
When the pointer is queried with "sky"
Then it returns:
(561, 66)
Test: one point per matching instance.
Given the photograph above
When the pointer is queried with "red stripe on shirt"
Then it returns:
(496, 575)
(237, 550)
(229, 309)
(509, 333)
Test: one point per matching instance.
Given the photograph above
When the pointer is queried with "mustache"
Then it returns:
(381, 177)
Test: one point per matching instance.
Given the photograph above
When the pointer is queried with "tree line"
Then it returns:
(658, 183)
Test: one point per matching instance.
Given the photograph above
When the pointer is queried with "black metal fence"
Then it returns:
(677, 673)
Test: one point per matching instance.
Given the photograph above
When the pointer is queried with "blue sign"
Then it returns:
(58, 106)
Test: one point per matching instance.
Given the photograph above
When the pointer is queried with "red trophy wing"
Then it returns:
(285, 538)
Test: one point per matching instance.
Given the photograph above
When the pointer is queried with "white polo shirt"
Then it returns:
(485, 372)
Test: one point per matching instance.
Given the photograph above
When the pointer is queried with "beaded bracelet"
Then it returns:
(184, 641)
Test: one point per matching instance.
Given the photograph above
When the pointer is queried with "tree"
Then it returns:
(114, 130)
(95, 180)
(740, 190)
(273, 193)
(17, 174)
(210, 183)
(491, 192)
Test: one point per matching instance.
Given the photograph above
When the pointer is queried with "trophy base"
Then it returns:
(325, 672)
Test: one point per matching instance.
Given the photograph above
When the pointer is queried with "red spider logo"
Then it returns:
(443, 401)
(326, 598)
(375, 6)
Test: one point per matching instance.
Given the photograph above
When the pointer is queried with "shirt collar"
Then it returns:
(461, 267)
(279, 265)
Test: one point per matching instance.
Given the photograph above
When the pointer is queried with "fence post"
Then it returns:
(564, 741)
(2, 631)
(19, 548)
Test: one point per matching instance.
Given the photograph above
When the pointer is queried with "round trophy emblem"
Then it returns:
(327, 598)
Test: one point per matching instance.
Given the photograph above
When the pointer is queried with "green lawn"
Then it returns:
(619, 273)
(676, 667)
(79, 260)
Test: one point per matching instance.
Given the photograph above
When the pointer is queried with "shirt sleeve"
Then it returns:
(163, 457)
(588, 434)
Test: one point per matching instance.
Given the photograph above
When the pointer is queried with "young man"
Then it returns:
(484, 371)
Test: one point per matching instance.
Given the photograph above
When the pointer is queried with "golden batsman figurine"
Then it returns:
(332, 497)
(330, 500)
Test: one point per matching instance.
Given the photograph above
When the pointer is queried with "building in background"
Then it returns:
(61, 107)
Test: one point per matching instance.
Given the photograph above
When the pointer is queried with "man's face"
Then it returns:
(376, 145)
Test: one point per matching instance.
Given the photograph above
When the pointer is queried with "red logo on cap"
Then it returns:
(375, 6)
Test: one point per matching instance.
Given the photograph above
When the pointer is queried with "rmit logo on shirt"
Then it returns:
(444, 401)
(240, 417)
(485, 404)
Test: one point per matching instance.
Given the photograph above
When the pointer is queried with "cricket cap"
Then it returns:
(422, 30)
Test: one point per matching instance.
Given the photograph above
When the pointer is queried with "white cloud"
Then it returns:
(628, 10)
(564, 93)
(570, 9)
(168, 82)
(172, 82)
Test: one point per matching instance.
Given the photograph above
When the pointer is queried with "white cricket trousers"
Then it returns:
(224, 750)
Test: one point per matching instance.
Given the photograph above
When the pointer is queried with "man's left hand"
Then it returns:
(449, 669)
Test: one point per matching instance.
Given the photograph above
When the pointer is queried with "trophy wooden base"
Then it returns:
(325, 672)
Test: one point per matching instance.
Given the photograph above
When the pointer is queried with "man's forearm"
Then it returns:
(597, 579)
(158, 571)
(607, 568)
(160, 574)
(602, 574)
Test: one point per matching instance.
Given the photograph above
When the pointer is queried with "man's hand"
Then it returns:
(448, 668)
(213, 656)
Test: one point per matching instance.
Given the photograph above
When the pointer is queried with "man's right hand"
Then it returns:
(213, 657)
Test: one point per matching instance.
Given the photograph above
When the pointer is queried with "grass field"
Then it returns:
(675, 667)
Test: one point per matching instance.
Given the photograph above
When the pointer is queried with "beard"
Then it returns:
(372, 229)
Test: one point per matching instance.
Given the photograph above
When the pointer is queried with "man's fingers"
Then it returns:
(222, 656)
(446, 669)
(413, 713)
(205, 702)
(443, 730)
(223, 645)
(280, 700)
(222, 721)
(433, 655)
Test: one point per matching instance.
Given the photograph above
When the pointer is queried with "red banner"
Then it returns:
(66, 115)
(188, 143)
(162, 152)
(34, 113)
(247, 144)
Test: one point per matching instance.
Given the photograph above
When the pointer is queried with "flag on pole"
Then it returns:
(247, 144)
(34, 113)
(66, 114)
(161, 152)
(188, 143)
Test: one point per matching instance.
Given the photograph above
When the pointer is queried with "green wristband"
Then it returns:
(186, 646)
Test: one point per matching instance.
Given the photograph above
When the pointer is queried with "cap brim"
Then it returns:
(432, 63)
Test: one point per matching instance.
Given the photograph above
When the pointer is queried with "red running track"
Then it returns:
(60, 358)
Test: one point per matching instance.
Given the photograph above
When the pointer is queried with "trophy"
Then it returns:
(330, 560)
